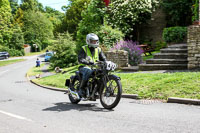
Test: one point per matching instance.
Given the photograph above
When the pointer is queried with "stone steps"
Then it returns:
(178, 46)
(170, 56)
(174, 57)
(167, 61)
(148, 67)
(175, 50)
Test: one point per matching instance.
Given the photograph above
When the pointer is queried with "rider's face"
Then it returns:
(93, 41)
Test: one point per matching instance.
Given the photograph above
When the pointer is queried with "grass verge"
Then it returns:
(7, 62)
(35, 70)
(57, 80)
(149, 56)
(146, 85)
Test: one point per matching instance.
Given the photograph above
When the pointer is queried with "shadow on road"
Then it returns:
(65, 106)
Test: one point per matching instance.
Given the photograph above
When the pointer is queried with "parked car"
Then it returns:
(4, 55)
(48, 56)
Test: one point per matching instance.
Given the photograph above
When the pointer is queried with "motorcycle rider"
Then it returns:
(88, 55)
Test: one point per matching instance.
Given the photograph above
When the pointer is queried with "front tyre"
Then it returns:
(74, 87)
(111, 95)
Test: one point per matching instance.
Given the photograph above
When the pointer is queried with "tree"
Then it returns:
(37, 28)
(11, 38)
(19, 17)
(56, 18)
(65, 52)
(5, 22)
(73, 16)
(92, 19)
(17, 40)
(127, 14)
(14, 5)
(33, 5)
(178, 12)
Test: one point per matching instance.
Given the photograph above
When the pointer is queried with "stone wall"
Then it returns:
(193, 41)
(154, 28)
(27, 49)
(119, 57)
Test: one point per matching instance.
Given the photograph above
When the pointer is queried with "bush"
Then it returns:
(159, 45)
(195, 11)
(109, 36)
(65, 52)
(134, 51)
(45, 44)
(12, 52)
(174, 34)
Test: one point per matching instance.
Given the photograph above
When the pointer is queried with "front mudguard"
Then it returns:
(115, 76)
(69, 81)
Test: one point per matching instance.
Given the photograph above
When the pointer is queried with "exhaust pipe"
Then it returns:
(74, 93)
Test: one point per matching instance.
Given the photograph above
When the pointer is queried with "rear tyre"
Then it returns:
(110, 96)
(74, 87)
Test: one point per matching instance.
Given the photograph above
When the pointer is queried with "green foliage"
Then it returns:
(174, 34)
(11, 37)
(159, 44)
(56, 18)
(37, 28)
(65, 52)
(14, 5)
(178, 12)
(73, 15)
(33, 5)
(109, 36)
(18, 18)
(17, 40)
(92, 19)
(5, 22)
(195, 11)
(125, 14)
(11, 51)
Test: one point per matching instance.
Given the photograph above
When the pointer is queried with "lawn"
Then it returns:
(149, 56)
(35, 70)
(7, 62)
(146, 85)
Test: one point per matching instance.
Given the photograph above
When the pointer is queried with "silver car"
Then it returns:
(4, 55)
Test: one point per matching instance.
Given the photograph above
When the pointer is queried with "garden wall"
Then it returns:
(193, 42)
(154, 28)
(27, 49)
(119, 57)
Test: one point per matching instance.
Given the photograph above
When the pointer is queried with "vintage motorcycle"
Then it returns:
(101, 84)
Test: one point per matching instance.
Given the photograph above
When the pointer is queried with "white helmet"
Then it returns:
(92, 37)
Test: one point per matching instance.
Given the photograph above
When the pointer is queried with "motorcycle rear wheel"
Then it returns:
(110, 96)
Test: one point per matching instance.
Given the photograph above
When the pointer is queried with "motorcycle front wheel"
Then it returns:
(111, 95)
(74, 87)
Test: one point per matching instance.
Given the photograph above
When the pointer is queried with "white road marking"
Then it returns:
(15, 116)
(4, 72)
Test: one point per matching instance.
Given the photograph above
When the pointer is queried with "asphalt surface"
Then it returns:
(27, 108)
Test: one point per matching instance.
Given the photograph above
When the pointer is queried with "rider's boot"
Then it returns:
(81, 91)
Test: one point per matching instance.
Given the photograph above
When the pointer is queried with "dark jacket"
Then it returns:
(82, 56)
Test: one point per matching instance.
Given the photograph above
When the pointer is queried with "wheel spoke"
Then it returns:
(110, 92)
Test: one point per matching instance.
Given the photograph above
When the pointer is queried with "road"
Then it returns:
(27, 108)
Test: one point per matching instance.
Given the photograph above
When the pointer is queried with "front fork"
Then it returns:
(109, 90)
